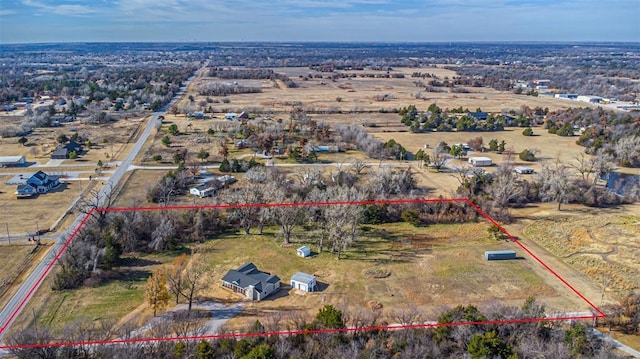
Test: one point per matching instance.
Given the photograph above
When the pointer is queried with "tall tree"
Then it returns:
(556, 183)
(156, 291)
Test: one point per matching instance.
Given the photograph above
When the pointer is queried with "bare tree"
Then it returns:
(556, 183)
(439, 158)
(175, 278)
(626, 150)
(358, 166)
(162, 235)
(504, 187)
(193, 277)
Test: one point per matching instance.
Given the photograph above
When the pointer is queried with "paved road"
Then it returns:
(35, 279)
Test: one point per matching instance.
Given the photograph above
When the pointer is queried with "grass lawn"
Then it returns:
(395, 265)
(112, 300)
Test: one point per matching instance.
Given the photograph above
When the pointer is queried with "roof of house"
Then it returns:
(73, 146)
(304, 248)
(249, 275)
(11, 159)
(60, 151)
(479, 115)
(303, 277)
(479, 159)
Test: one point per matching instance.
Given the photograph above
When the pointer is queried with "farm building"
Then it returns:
(251, 282)
(303, 281)
(499, 255)
(12, 161)
(303, 251)
(480, 161)
(523, 170)
(590, 99)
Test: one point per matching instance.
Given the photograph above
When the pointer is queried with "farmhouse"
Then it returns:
(12, 161)
(499, 255)
(250, 282)
(209, 188)
(303, 251)
(303, 281)
(480, 161)
(203, 190)
(522, 170)
(38, 182)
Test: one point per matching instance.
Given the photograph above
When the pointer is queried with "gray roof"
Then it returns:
(248, 275)
(303, 277)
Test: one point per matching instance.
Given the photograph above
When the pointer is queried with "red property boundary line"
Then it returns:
(597, 312)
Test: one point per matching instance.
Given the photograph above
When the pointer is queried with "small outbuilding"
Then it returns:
(303, 251)
(499, 255)
(480, 161)
(303, 281)
(523, 170)
(12, 161)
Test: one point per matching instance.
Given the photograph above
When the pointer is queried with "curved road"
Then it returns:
(35, 279)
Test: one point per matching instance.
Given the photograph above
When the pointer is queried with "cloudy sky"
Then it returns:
(319, 20)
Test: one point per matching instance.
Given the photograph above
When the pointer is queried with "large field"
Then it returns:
(356, 94)
(392, 266)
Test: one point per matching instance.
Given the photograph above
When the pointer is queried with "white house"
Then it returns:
(303, 251)
(203, 190)
(480, 161)
(304, 282)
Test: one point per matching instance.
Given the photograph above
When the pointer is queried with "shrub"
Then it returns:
(527, 155)
(527, 132)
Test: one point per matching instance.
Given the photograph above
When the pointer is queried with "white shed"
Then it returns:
(303, 281)
(303, 251)
(523, 170)
(480, 161)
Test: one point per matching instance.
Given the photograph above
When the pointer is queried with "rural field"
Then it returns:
(392, 266)
(357, 94)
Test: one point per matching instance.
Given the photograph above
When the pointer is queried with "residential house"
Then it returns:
(209, 188)
(251, 282)
(38, 182)
(483, 116)
(304, 282)
(62, 152)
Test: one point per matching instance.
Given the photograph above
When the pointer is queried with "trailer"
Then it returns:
(480, 161)
(499, 255)
(523, 170)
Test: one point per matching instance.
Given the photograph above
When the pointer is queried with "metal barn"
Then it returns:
(499, 255)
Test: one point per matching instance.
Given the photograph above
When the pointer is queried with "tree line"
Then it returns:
(518, 339)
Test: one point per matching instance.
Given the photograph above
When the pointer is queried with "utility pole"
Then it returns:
(8, 235)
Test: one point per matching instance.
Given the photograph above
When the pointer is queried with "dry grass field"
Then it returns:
(360, 93)
(111, 301)
(15, 261)
(606, 250)
(432, 267)
(393, 266)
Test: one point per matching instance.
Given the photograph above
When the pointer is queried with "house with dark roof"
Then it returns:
(38, 182)
(482, 116)
(249, 281)
(62, 152)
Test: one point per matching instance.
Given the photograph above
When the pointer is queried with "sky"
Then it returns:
(29, 21)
